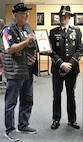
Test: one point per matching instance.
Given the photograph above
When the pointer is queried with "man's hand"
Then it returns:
(16, 47)
(30, 37)
(66, 66)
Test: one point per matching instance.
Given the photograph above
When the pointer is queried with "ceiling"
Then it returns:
(53, 2)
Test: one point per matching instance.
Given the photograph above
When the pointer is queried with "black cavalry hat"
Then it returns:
(65, 10)
(20, 7)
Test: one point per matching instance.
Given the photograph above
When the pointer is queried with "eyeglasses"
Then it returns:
(24, 13)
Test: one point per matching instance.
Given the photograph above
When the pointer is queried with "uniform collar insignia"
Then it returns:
(70, 29)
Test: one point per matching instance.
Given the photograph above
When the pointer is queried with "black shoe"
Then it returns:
(55, 124)
(74, 125)
(28, 130)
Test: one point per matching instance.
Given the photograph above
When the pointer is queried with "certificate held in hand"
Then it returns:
(43, 41)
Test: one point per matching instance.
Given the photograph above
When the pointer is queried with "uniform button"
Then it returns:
(66, 44)
(67, 55)
(66, 39)
(67, 49)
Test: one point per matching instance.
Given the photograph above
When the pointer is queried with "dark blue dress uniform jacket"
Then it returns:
(66, 48)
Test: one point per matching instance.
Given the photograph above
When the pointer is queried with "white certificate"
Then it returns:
(43, 41)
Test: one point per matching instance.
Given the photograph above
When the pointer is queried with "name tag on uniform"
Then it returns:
(57, 35)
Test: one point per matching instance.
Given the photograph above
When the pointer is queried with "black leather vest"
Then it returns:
(15, 65)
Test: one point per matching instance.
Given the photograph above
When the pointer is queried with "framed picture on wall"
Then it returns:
(43, 41)
(78, 19)
(55, 19)
(40, 18)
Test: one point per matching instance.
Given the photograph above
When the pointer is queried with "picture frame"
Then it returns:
(40, 18)
(55, 19)
(43, 41)
(78, 18)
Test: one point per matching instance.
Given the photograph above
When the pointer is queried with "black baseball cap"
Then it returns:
(20, 7)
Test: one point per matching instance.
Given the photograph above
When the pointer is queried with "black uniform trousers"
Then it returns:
(70, 81)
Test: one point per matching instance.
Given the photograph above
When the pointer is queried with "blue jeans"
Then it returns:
(23, 89)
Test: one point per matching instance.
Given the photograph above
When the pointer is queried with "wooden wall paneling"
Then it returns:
(32, 16)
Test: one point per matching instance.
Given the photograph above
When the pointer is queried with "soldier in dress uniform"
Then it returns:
(66, 45)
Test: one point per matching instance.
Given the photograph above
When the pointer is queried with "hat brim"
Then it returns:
(64, 14)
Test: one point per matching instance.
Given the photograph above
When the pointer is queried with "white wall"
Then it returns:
(54, 1)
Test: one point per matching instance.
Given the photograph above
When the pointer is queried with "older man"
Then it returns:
(19, 59)
(67, 46)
